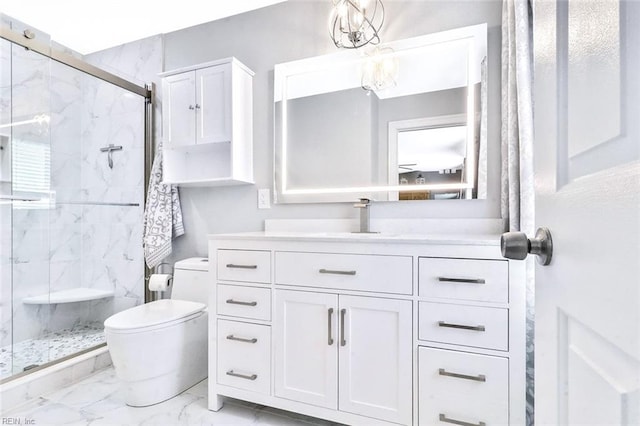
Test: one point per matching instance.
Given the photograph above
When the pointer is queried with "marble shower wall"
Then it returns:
(77, 242)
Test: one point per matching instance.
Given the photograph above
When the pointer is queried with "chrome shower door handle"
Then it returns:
(516, 245)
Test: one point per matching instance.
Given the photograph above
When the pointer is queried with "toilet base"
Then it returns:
(159, 364)
(158, 389)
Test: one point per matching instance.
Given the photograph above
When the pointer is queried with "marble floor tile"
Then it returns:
(97, 401)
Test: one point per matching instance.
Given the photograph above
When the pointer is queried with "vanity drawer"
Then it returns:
(464, 325)
(244, 359)
(243, 301)
(244, 265)
(464, 279)
(376, 273)
(463, 387)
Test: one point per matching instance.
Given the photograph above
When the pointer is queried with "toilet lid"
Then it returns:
(154, 313)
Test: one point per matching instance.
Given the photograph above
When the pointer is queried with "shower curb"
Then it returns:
(42, 382)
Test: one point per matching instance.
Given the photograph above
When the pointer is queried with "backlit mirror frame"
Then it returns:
(475, 40)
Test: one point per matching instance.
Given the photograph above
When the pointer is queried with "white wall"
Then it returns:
(295, 30)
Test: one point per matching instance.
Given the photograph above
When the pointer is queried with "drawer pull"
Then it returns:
(343, 341)
(478, 378)
(460, 326)
(462, 280)
(240, 339)
(236, 302)
(329, 315)
(233, 265)
(445, 419)
(242, 376)
(329, 271)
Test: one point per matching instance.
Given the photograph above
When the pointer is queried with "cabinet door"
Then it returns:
(375, 358)
(306, 358)
(179, 113)
(213, 104)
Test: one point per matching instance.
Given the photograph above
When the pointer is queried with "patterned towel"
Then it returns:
(162, 216)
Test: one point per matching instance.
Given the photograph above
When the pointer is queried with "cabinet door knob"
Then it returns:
(191, 107)
(197, 106)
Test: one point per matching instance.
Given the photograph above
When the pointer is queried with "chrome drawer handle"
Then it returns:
(236, 302)
(445, 419)
(460, 326)
(329, 315)
(242, 376)
(329, 271)
(240, 339)
(478, 378)
(462, 280)
(233, 265)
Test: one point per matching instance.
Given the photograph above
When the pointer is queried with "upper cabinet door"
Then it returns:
(213, 105)
(375, 358)
(179, 122)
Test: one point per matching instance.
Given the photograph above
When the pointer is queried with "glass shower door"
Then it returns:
(72, 164)
(25, 213)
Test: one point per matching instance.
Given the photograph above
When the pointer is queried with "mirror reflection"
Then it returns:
(399, 123)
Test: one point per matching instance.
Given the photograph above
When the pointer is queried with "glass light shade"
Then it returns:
(380, 69)
(356, 23)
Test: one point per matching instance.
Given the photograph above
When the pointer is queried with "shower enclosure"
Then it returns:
(74, 143)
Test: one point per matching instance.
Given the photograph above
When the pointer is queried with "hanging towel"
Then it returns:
(162, 215)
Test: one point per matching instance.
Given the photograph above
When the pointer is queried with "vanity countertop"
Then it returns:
(354, 237)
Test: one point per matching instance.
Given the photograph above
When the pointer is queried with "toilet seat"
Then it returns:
(153, 315)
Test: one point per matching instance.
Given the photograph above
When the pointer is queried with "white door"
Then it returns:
(179, 115)
(306, 358)
(213, 104)
(587, 91)
(375, 358)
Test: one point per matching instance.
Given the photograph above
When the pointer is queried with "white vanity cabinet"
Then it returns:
(207, 125)
(327, 346)
(369, 330)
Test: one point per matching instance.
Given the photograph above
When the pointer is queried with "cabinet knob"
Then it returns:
(197, 106)
(191, 107)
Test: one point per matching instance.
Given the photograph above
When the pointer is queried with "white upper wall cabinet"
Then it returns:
(208, 124)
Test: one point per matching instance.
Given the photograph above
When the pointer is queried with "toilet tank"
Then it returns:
(191, 280)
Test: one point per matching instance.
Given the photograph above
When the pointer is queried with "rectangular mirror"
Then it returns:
(403, 121)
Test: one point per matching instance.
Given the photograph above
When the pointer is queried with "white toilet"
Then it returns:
(159, 349)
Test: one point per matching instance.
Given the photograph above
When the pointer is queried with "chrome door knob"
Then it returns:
(516, 245)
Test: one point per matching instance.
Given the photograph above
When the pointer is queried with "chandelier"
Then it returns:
(356, 23)
(380, 69)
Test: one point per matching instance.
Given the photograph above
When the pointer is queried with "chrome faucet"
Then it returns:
(363, 205)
